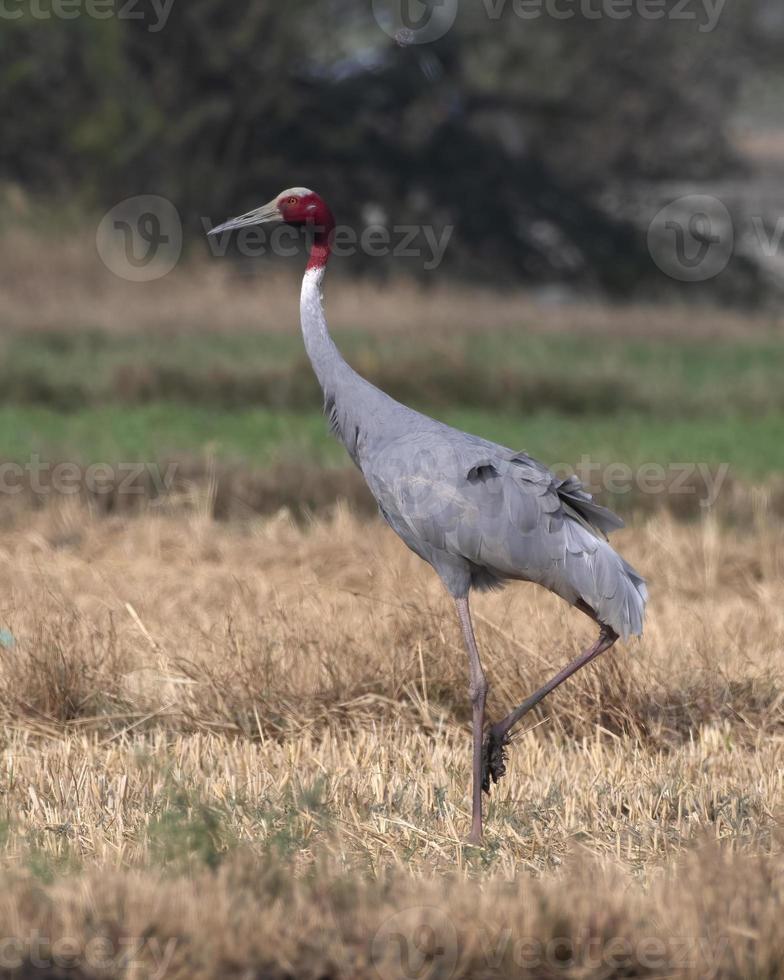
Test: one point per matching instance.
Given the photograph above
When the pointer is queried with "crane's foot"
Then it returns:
(493, 758)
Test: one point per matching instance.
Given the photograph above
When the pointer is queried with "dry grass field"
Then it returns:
(242, 750)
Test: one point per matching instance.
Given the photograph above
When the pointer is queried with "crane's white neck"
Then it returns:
(358, 412)
(323, 354)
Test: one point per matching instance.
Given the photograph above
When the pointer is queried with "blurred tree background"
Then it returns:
(536, 138)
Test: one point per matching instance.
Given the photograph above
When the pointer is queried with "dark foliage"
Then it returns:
(519, 132)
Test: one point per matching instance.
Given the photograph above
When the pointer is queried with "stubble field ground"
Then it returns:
(248, 748)
(240, 747)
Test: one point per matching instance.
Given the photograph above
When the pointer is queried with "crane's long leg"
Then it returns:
(478, 691)
(493, 758)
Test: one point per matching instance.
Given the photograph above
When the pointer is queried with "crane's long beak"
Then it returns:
(263, 215)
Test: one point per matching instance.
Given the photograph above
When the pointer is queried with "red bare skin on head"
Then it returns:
(310, 211)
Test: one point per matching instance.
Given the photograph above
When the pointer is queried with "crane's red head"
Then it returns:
(299, 206)
(296, 206)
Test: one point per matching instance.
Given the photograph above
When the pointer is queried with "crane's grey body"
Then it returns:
(478, 512)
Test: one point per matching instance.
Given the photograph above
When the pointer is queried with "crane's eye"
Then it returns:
(291, 200)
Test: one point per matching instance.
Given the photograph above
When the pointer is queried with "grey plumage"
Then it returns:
(478, 512)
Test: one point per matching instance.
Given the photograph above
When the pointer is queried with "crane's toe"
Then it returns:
(493, 758)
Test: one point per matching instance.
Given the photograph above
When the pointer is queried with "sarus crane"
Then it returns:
(479, 513)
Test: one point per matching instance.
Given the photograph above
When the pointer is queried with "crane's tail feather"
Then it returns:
(596, 574)
(580, 504)
(614, 590)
